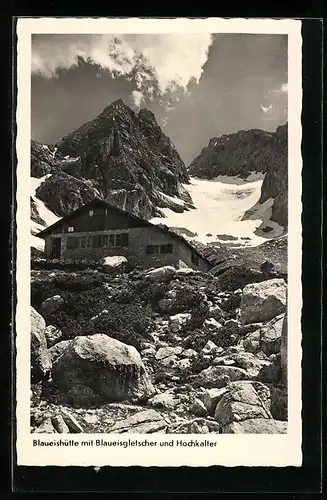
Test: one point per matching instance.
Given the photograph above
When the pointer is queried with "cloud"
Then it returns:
(275, 108)
(266, 109)
(138, 97)
(158, 64)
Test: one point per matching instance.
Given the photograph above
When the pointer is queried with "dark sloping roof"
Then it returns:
(142, 223)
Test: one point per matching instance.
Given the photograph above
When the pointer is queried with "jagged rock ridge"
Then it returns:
(119, 156)
(240, 154)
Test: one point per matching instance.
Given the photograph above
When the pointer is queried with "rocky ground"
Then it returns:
(157, 351)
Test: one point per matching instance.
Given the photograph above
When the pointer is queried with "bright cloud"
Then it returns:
(164, 64)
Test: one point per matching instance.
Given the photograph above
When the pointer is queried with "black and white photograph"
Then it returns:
(160, 199)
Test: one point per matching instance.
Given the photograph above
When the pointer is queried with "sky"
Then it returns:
(199, 86)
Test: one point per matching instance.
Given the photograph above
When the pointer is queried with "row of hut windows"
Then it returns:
(98, 241)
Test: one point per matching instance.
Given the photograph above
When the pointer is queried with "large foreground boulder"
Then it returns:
(114, 264)
(98, 368)
(263, 301)
(40, 358)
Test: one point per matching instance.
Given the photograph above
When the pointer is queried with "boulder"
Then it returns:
(60, 425)
(190, 353)
(177, 321)
(216, 312)
(53, 335)
(256, 426)
(210, 348)
(183, 364)
(169, 361)
(241, 402)
(263, 301)
(270, 372)
(99, 368)
(143, 422)
(211, 397)
(40, 357)
(52, 304)
(166, 305)
(271, 335)
(57, 350)
(116, 263)
(149, 352)
(197, 426)
(251, 363)
(198, 408)
(165, 273)
(212, 376)
(165, 352)
(167, 400)
(71, 422)
(251, 342)
(279, 403)
(46, 427)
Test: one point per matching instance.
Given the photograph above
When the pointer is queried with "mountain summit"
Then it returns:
(122, 157)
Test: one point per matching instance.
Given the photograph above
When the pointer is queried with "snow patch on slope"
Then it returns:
(220, 207)
(45, 214)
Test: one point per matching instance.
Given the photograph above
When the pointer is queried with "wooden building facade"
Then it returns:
(99, 229)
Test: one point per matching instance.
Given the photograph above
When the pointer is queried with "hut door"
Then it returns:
(55, 248)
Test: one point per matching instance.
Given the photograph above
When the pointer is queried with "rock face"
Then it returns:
(63, 193)
(40, 358)
(120, 156)
(240, 154)
(275, 184)
(263, 301)
(98, 368)
(43, 160)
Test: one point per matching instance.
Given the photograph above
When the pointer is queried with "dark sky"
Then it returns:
(243, 83)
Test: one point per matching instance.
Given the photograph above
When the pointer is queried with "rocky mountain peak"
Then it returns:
(115, 109)
(121, 156)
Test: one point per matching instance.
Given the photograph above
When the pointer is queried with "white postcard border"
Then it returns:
(229, 450)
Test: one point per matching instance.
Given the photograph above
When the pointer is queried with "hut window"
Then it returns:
(89, 241)
(70, 229)
(118, 240)
(91, 213)
(105, 240)
(72, 243)
(96, 242)
(124, 240)
(83, 242)
(166, 248)
(195, 259)
(151, 249)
